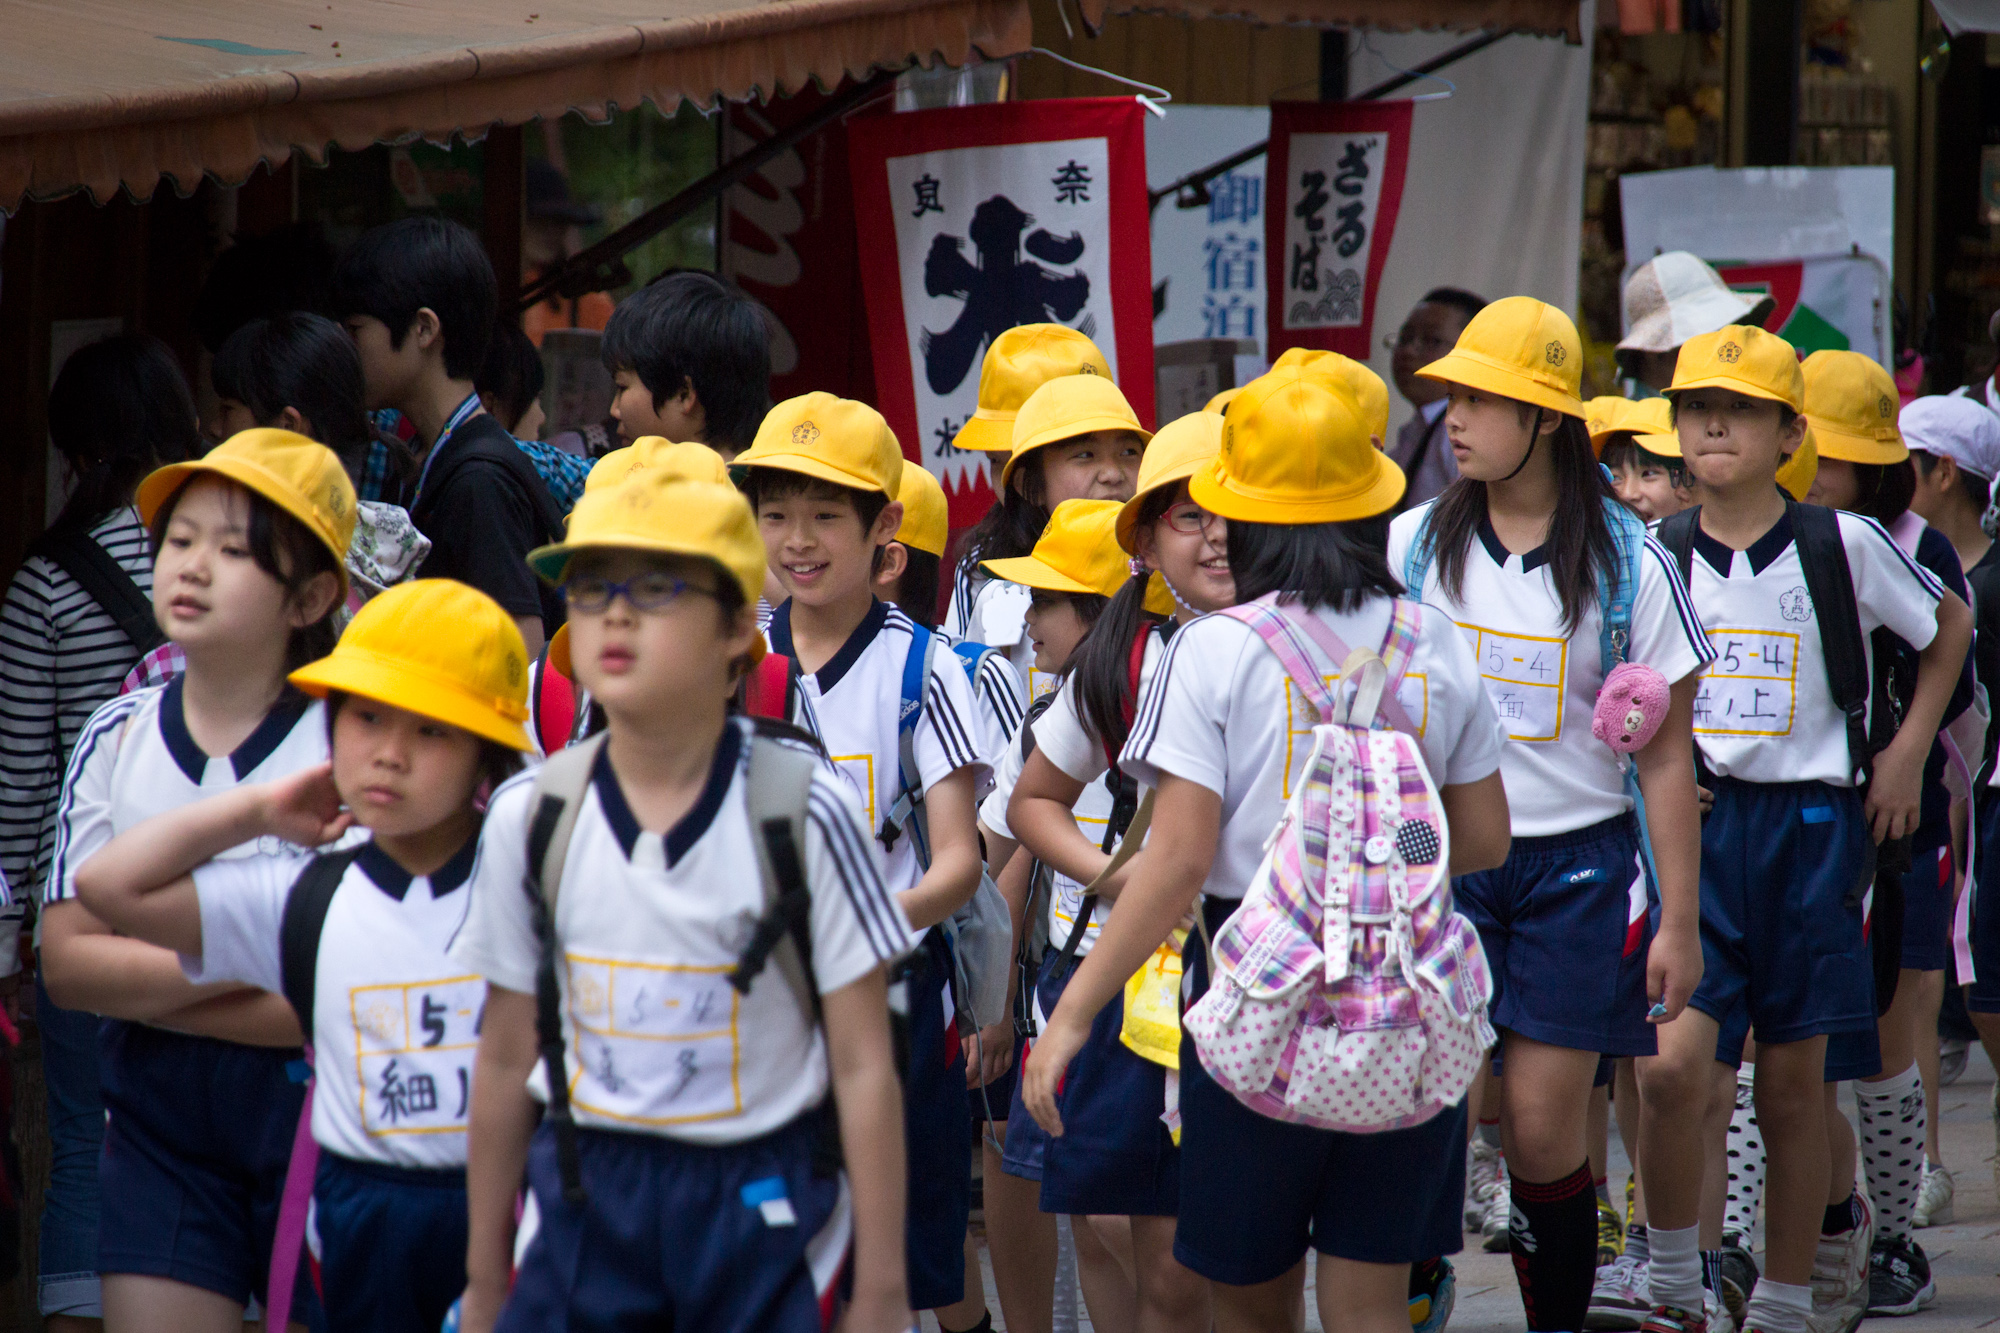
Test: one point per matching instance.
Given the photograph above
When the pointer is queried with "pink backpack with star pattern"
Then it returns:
(1346, 992)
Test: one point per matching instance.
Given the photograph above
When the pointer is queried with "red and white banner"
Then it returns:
(1335, 182)
(975, 219)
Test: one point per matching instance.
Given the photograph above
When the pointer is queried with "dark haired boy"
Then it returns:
(821, 474)
(1420, 447)
(1653, 486)
(692, 358)
(418, 298)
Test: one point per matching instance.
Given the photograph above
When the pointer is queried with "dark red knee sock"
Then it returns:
(1554, 1239)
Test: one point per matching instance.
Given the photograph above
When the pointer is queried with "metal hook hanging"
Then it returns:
(1368, 45)
(1156, 103)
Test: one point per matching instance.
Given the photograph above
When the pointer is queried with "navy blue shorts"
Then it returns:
(1257, 1192)
(196, 1144)
(1565, 928)
(1027, 1143)
(934, 1120)
(1983, 996)
(745, 1238)
(391, 1244)
(1927, 909)
(1849, 1055)
(1781, 938)
(1115, 1157)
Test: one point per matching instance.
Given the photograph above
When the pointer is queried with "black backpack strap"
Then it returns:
(1676, 535)
(300, 927)
(77, 554)
(1823, 556)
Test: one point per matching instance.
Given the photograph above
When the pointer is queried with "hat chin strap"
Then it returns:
(1534, 437)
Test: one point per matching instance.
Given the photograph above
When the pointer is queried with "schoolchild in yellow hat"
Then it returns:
(1739, 405)
(912, 565)
(1017, 363)
(1795, 475)
(1852, 406)
(1074, 571)
(1371, 395)
(1624, 431)
(1164, 530)
(425, 694)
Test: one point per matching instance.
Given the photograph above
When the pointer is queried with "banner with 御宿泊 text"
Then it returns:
(1335, 182)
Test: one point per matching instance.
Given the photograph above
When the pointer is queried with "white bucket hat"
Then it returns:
(1955, 428)
(1675, 296)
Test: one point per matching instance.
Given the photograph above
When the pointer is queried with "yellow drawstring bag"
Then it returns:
(1152, 1026)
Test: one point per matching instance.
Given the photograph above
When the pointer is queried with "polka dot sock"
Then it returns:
(1892, 1148)
(1746, 1160)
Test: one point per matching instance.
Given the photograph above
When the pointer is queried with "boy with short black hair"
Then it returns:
(684, 1172)
(418, 298)
(1787, 850)
(692, 357)
(875, 689)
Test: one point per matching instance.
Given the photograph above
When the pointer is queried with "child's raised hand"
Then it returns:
(304, 809)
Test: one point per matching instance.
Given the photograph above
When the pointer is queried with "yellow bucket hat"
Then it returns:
(1220, 403)
(1295, 450)
(1745, 359)
(1645, 419)
(1371, 395)
(697, 462)
(299, 475)
(1182, 448)
(1852, 403)
(437, 648)
(1065, 408)
(1078, 552)
(831, 439)
(926, 514)
(660, 512)
(1017, 363)
(1519, 348)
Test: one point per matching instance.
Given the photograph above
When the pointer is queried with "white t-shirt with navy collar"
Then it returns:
(1221, 712)
(395, 1019)
(136, 758)
(656, 1039)
(851, 703)
(1544, 680)
(1764, 712)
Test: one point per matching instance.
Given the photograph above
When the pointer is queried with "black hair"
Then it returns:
(1883, 491)
(497, 762)
(1581, 550)
(304, 362)
(1090, 608)
(1619, 449)
(1340, 565)
(511, 374)
(418, 263)
(775, 483)
(1976, 491)
(285, 269)
(917, 589)
(1457, 298)
(1010, 529)
(686, 327)
(286, 550)
(1102, 664)
(118, 409)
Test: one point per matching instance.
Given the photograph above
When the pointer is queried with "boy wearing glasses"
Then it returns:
(823, 475)
(1431, 330)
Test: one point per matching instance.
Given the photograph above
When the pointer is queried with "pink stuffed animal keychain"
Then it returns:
(1630, 707)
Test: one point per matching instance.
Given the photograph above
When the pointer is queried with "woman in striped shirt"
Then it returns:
(119, 409)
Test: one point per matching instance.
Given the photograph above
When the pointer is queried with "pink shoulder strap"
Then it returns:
(1279, 623)
(290, 1242)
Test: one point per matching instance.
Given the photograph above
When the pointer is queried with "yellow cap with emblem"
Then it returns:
(299, 475)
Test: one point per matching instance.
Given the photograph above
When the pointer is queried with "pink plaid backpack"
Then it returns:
(1346, 993)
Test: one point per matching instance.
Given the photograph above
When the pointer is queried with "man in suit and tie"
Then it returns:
(1421, 448)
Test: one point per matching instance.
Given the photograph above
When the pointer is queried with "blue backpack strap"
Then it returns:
(906, 815)
(1616, 594)
(970, 655)
(1417, 560)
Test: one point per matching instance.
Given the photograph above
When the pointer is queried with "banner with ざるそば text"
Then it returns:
(1334, 183)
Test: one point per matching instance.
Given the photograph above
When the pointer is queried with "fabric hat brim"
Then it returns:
(1128, 517)
(987, 433)
(806, 465)
(1853, 448)
(1667, 446)
(1069, 430)
(161, 483)
(1029, 572)
(552, 562)
(1478, 372)
(1654, 331)
(1742, 386)
(1159, 597)
(1229, 499)
(401, 685)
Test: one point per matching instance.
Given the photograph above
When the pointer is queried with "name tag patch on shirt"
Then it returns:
(1524, 675)
(413, 1054)
(1751, 689)
(655, 1035)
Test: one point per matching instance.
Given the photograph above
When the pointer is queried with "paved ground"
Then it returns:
(1965, 1255)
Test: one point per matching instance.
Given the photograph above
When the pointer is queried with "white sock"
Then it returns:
(1676, 1267)
(1746, 1159)
(1778, 1307)
(1892, 1148)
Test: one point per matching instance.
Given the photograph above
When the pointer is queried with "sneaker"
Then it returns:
(1840, 1274)
(1934, 1197)
(1622, 1296)
(1673, 1319)
(1610, 1233)
(1717, 1313)
(1739, 1274)
(1952, 1052)
(1485, 1172)
(1499, 1220)
(1432, 1296)
(1899, 1278)
(1631, 1201)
